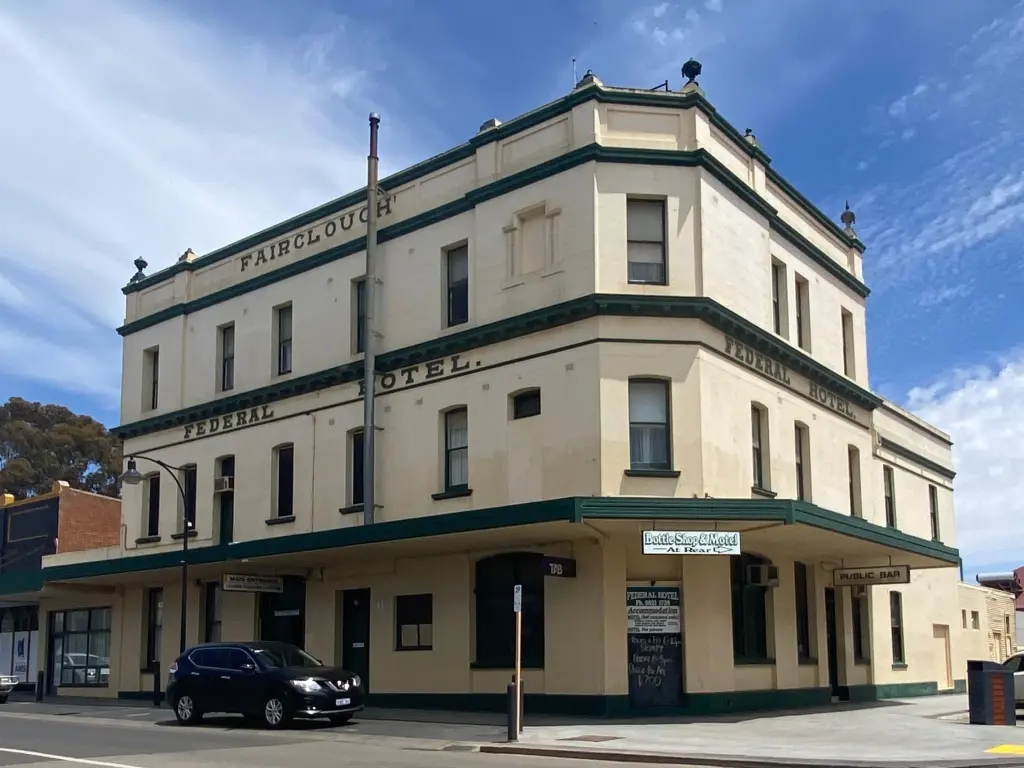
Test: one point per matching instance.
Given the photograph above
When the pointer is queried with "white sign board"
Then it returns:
(652, 611)
(888, 574)
(252, 582)
(517, 598)
(691, 543)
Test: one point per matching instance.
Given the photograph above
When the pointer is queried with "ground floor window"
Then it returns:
(861, 641)
(414, 622)
(80, 647)
(19, 641)
(896, 623)
(212, 596)
(496, 578)
(749, 609)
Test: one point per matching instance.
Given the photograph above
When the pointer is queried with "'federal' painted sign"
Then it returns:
(691, 543)
(889, 574)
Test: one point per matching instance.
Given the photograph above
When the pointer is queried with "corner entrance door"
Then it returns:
(355, 633)
(833, 648)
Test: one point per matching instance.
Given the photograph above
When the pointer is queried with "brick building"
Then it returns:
(61, 521)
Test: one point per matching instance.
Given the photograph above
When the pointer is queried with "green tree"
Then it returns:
(43, 443)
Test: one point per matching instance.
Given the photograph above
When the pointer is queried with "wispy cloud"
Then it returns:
(131, 131)
(979, 406)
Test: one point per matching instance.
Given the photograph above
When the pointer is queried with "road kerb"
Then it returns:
(727, 761)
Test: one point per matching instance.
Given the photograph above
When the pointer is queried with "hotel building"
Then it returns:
(602, 325)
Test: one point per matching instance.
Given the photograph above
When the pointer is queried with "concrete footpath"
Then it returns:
(930, 731)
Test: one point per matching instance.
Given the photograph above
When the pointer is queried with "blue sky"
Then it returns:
(145, 127)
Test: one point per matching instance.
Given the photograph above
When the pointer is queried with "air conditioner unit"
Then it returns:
(859, 590)
(763, 575)
(223, 484)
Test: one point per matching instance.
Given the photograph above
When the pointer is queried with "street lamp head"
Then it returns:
(131, 476)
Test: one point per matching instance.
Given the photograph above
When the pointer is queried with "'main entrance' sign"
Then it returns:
(773, 369)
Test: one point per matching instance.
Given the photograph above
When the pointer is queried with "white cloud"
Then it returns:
(130, 131)
(979, 407)
(715, 6)
(660, 10)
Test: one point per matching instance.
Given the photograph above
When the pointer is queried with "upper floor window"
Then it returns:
(456, 450)
(189, 481)
(227, 357)
(802, 299)
(457, 278)
(802, 439)
(359, 314)
(759, 446)
(889, 484)
(933, 506)
(151, 379)
(849, 356)
(853, 474)
(284, 480)
(649, 424)
(780, 309)
(153, 505)
(283, 340)
(526, 404)
(645, 241)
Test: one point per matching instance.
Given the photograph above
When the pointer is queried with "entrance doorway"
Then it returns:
(940, 632)
(354, 605)
(282, 615)
(833, 643)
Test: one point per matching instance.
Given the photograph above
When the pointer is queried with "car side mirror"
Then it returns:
(248, 667)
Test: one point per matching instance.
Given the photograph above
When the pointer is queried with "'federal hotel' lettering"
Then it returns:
(326, 230)
(776, 370)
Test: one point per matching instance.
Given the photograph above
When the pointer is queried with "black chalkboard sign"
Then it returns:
(655, 667)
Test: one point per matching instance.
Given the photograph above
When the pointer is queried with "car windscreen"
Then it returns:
(281, 656)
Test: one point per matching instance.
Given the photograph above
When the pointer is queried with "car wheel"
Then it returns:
(275, 711)
(185, 711)
(340, 719)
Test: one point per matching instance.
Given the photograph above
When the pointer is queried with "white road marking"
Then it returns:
(65, 758)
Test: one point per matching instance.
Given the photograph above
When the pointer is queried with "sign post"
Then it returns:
(517, 606)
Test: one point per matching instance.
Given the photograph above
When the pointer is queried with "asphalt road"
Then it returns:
(29, 739)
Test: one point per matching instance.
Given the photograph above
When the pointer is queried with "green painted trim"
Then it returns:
(915, 458)
(590, 153)
(21, 582)
(960, 686)
(785, 511)
(467, 150)
(572, 510)
(574, 310)
(891, 691)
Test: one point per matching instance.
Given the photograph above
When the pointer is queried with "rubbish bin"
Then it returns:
(990, 699)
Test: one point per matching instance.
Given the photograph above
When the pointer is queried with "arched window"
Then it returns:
(749, 610)
(495, 622)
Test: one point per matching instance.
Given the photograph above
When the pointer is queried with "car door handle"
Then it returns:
(225, 677)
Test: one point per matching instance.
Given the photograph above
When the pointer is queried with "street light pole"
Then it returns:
(132, 476)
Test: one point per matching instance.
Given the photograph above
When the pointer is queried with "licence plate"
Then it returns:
(342, 702)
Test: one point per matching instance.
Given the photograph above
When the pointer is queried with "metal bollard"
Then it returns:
(513, 729)
(522, 704)
(40, 683)
(156, 685)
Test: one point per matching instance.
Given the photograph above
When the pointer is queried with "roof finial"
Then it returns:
(750, 138)
(588, 79)
(848, 218)
(140, 265)
(691, 71)
(188, 255)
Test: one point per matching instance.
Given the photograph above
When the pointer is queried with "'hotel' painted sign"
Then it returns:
(773, 369)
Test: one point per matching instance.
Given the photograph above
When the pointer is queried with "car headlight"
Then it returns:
(356, 682)
(306, 685)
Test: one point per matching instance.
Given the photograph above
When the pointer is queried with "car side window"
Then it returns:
(200, 658)
(237, 659)
(1013, 663)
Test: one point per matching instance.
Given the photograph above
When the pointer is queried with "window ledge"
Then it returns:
(507, 667)
(652, 473)
(748, 662)
(808, 661)
(899, 665)
(148, 539)
(280, 520)
(757, 491)
(351, 509)
(403, 649)
(862, 662)
(453, 493)
(179, 536)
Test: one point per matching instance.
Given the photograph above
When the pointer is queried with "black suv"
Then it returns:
(269, 683)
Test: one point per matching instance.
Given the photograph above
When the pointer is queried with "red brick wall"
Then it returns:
(87, 521)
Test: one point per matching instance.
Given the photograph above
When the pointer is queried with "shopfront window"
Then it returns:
(80, 647)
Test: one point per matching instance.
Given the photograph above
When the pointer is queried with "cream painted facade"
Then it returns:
(754, 341)
(988, 623)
